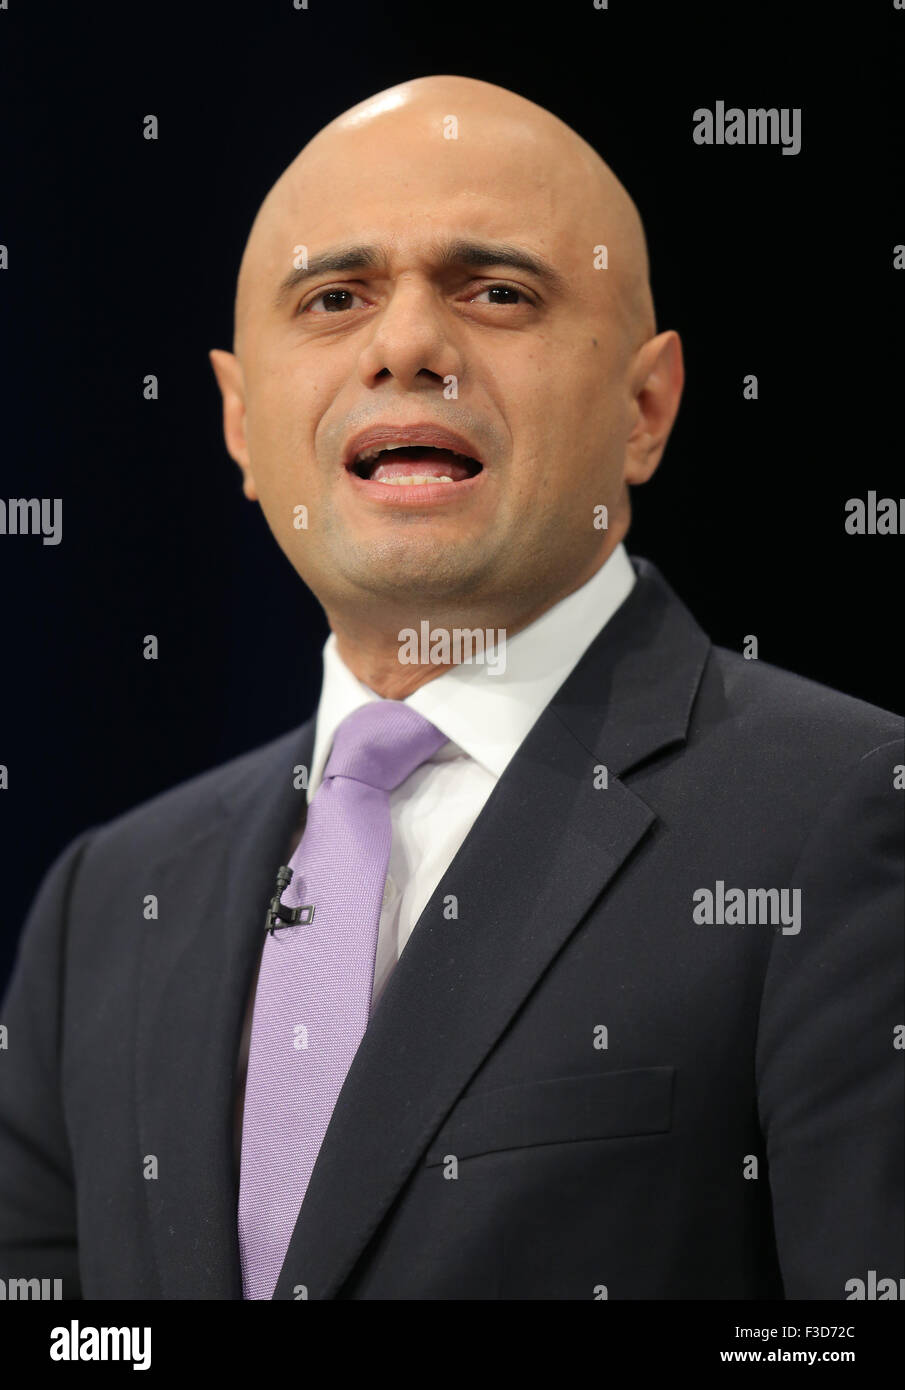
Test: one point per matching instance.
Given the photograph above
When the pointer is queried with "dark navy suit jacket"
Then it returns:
(739, 1134)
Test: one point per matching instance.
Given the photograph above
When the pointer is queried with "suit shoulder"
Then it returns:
(778, 707)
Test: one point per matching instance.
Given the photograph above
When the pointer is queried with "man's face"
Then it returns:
(527, 370)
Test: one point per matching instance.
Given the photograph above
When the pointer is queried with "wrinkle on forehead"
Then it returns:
(578, 187)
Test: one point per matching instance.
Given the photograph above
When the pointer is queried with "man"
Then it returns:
(584, 981)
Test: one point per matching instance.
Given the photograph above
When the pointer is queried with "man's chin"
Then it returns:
(402, 577)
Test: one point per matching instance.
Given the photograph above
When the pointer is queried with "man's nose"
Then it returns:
(413, 336)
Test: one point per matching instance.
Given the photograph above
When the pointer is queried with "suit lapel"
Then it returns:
(544, 847)
(197, 965)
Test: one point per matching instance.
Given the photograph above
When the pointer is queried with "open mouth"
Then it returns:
(413, 465)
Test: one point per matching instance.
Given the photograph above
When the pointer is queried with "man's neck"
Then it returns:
(373, 650)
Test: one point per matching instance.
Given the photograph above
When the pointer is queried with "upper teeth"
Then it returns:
(415, 478)
(367, 454)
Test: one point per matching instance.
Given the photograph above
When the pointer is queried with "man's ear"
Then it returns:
(228, 372)
(657, 376)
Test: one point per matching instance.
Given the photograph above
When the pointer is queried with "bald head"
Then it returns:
(505, 145)
(449, 264)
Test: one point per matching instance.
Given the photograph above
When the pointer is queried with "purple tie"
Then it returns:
(313, 995)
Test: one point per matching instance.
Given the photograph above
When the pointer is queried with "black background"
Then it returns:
(122, 262)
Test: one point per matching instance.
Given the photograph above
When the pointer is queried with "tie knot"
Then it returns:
(381, 743)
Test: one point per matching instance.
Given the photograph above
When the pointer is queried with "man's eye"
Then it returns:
(503, 290)
(335, 301)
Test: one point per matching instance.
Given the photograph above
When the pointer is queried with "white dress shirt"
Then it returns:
(485, 716)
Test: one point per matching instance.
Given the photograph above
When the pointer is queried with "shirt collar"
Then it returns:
(486, 714)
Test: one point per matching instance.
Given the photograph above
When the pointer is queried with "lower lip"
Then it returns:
(415, 494)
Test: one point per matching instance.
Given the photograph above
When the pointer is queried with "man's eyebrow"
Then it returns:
(481, 255)
(476, 255)
(335, 261)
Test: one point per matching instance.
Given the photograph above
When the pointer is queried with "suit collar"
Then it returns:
(485, 709)
(632, 693)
